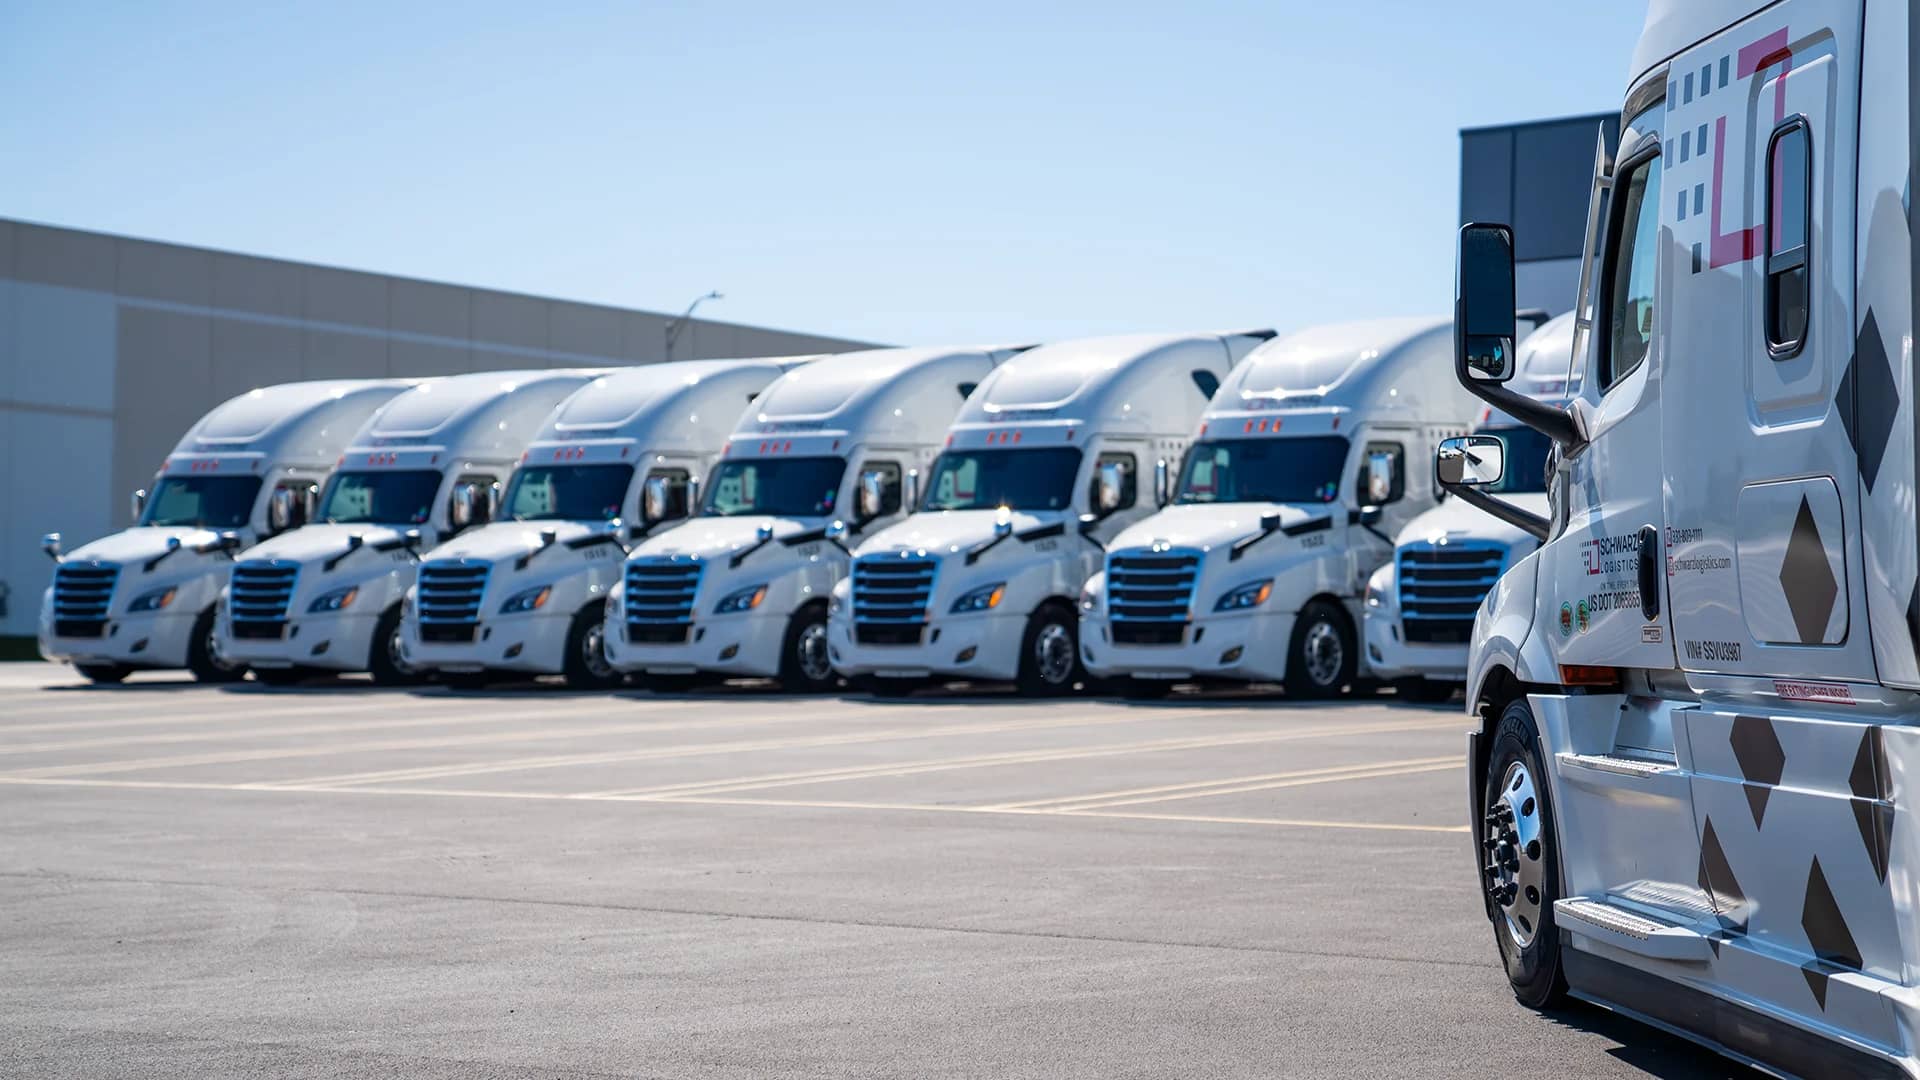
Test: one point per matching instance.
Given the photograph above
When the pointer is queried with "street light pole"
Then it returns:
(679, 324)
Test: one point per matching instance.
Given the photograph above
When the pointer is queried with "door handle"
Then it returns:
(1649, 572)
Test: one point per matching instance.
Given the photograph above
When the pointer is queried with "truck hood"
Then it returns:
(945, 531)
(135, 546)
(1455, 520)
(324, 541)
(509, 539)
(1209, 525)
(708, 537)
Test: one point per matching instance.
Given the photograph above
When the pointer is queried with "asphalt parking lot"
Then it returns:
(530, 883)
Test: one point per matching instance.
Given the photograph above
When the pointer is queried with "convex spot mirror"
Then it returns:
(662, 498)
(1484, 322)
(1380, 478)
(50, 543)
(1471, 461)
(1110, 486)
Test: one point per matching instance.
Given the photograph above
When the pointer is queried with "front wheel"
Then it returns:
(1050, 652)
(1320, 658)
(805, 665)
(384, 659)
(105, 674)
(587, 666)
(204, 657)
(1520, 872)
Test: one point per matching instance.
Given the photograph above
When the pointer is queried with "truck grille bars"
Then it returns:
(1441, 587)
(259, 592)
(1150, 595)
(659, 600)
(82, 593)
(890, 597)
(448, 598)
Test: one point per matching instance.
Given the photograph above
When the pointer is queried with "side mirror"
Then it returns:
(309, 503)
(836, 529)
(1371, 515)
(662, 498)
(50, 543)
(1380, 479)
(1269, 523)
(1471, 461)
(229, 542)
(1160, 479)
(280, 510)
(1110, 486)
(913, 490)
(465, 505)
(872, 500)
(693, 496)
(410, 540)
(1484, 324)
(138, 501)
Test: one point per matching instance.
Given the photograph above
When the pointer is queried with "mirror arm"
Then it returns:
(977, 550)
(1532, 524)
(1042, 532)
(1241, 545)
(147, 567)
(738, 557)
(1549, 420)
(354, 544)
(1358, 517)
(808, 537)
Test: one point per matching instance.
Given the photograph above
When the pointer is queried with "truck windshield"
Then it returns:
(568, 492)
(1304, 469)
(1020, 479)
(782, 487)
(402, 497)
(1526, 460)
(202, 502)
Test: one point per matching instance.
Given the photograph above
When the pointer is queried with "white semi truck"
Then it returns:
(145, 597)
(1045, 463)
(1696, 708)
(327, 597)
(1421, 604)
(1288, 500)
(613, 463)
(831, 451)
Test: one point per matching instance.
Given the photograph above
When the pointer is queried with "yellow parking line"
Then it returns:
(910, 768)
(1195, 785)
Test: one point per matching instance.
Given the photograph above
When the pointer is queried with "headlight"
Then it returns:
(333, 601)
(745, 600)
(406, 605)
(526, 600)
(833, 605)
(984, 598)
(1380, 586)
(1250, 595)
(1089, 601)
(152, 601)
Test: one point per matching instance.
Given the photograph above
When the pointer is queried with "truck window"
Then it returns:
(1130, 489)
(568, 492)
(396, 497)
(1789, 208)
(783, 487)
(1039, 479)
(1292, 469)
(1629, 294)
(202, 502)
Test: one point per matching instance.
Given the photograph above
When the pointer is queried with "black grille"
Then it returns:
(1441, 587)
(1150, 595)
(448, 597)
(446, 632)
(887, 633)
(82, 593)
(892, 589)
(257, 596)
(659, 599)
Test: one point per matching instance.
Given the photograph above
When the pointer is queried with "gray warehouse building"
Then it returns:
(110, 347)
(1535, 177)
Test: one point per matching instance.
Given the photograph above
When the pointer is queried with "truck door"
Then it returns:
(1590, 577)
(1763, 407)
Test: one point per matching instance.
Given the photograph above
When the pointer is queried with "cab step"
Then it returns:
(1631, 930)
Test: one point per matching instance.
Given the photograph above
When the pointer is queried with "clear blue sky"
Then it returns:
(891, 172)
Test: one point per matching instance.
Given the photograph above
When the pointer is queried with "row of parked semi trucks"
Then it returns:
(1124, 511)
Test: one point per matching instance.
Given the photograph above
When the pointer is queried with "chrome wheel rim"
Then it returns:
(1515, 847)
(1053, 653)
(1323, 653)
(814, 663)
(593, 651)
(396, 655)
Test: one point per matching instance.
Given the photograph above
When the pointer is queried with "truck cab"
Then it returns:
(327, 597)
(831, 452)
(1420, 605)
(1050, 458)
(145, 597)
(1286, 503)
(612, 464)
(1695, 710)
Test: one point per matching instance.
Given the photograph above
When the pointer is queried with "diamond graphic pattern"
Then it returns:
(1827, 933)
(1871, 802)
(1868, 399)
(1807, 579)
(1756, 747)
(1718, 882)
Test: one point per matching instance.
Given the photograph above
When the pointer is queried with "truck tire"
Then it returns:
(384, 661)
(284, 676)
(1050, 652)
(104, 674)
(1320, 658)
(203, 654)
(586, 666)
(1520, 871)
(804, 664)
